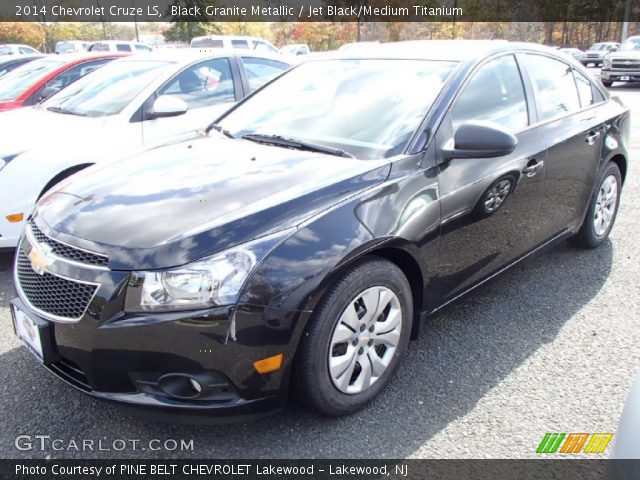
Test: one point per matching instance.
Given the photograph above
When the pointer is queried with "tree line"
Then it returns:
(320, 36)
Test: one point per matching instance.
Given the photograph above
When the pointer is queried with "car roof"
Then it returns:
(451, 50)
(17, 58)
(67, 58)
(190, 55)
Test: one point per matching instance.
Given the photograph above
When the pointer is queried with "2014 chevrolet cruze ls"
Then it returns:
(297, 245)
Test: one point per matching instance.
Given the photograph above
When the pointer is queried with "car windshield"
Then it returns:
(108, 90)
(17, 82)
(368, 108)
(599, 46)
(5, 50)
(631, 44)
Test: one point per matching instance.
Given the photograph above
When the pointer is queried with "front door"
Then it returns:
(208, 88)
(489, 206)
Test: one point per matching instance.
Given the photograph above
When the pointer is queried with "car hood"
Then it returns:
(180, 202)
(47, 127)
(631, 54)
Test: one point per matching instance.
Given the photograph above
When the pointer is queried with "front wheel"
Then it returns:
(603, 209)
(607, 83)
(355, 340)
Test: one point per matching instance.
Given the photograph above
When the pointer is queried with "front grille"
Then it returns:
(68, 252)
(50, 294)
(622, 64)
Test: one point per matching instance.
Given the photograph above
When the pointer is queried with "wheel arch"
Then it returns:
(400, 257)
(67, 172)
(621, 161)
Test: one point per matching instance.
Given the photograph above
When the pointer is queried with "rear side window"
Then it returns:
(203, 84)
(554, 86)
(123, 47)
(99, 47)
(142, 48)
(494, 93)
(207, 43)
(240, 44)
(261, 70)
(585, 91)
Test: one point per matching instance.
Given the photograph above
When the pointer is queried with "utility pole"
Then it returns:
(625, 23)
(135, 22)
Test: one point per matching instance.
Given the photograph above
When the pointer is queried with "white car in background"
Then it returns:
(119, 46)
(71, 46)
(234, 42)
(15, 49)
(127, 106)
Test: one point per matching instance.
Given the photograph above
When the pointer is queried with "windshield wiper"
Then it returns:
(281, 141)
(66, 112)
(219, 128)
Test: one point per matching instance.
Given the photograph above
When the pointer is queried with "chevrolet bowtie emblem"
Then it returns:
(40, 258)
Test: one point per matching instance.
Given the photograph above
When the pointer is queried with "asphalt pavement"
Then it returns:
(550, 346)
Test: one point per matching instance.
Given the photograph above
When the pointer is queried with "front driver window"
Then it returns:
(495, 93)
(203, 84)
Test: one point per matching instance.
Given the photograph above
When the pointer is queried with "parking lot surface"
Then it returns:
(550, 346)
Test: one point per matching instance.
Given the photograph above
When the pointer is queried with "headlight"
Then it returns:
(215, 280)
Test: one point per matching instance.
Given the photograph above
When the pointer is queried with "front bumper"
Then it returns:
(618, 75)
(143, 361)
(126, 363)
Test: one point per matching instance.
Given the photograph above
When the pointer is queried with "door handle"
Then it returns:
(532, 168)
(592, 137)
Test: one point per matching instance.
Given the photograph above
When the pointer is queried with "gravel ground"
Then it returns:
(551, 345)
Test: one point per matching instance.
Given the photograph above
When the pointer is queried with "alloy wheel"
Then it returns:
(365, 339)
(605, 208)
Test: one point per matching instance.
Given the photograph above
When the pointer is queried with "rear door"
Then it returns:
(489, 206)
(209, 88)
(573, 133)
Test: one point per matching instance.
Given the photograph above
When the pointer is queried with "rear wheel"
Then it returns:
(603, 209)
(355, 340)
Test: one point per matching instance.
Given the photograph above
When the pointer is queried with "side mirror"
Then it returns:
(47, 92)
(167, 106)
(481, 140)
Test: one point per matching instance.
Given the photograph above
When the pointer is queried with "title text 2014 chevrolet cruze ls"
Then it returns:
(297, 245)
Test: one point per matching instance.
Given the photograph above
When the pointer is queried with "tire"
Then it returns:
(589, 235)
(607, 84)
(321, 387)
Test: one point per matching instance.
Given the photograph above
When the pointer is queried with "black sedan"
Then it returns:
(295, 246)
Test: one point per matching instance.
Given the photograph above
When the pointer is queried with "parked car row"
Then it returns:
(132, 104)
(291, 241)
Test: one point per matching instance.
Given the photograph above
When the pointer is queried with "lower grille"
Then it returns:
(52, 295)
(71, 372)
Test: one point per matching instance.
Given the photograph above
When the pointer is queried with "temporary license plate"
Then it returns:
(624, 78)
(28, 331)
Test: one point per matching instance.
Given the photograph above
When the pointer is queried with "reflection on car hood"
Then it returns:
(34, 126)
(180, 202)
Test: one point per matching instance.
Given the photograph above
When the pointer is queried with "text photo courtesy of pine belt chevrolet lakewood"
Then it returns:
(295, 246)
(132, 104)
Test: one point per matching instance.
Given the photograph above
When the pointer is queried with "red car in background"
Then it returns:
(37, 80)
